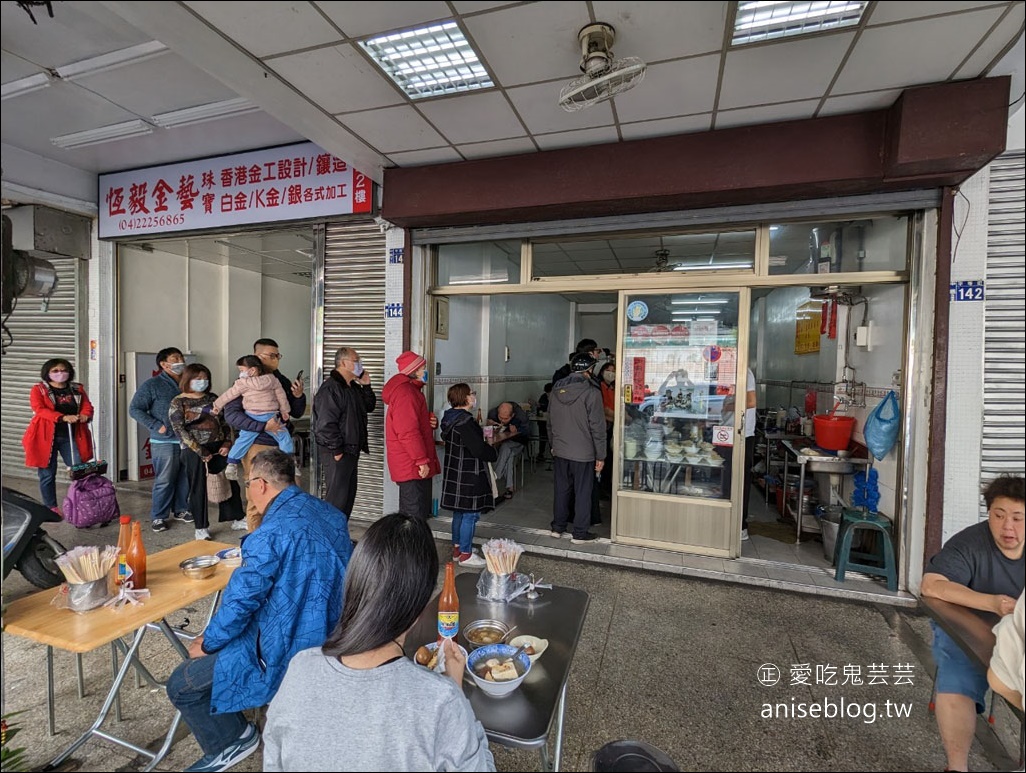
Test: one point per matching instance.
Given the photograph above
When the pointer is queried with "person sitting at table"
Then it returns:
(357, 703)
(510, 417)
(285, 597)
(1007, 673)
(982, 567)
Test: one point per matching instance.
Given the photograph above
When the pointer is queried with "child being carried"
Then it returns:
(263, 399)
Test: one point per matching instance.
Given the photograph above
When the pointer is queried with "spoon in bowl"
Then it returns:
(505, 638)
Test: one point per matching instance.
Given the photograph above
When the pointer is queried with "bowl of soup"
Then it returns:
(481, 633)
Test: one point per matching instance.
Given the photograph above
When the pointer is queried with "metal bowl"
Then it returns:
(199, 567)
(481, 633)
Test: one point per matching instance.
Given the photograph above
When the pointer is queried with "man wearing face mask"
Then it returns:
(149, 407)
(409, 438)
(339, 426)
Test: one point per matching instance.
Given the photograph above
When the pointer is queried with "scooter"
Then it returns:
(26, 544)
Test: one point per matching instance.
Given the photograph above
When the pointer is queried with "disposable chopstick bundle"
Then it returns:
(501, 555)
(87, 563)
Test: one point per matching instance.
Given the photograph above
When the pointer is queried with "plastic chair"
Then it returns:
(885, 565)
(631, 756)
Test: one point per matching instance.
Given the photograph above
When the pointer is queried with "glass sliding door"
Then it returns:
(678, 418)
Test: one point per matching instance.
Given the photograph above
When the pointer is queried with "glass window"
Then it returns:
(877, 244)
(679, 377)
(479, 263)
(721, 251)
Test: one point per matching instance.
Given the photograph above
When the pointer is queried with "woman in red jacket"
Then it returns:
(60, 410)
(409, 439)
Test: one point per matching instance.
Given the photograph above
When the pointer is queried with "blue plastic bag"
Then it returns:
(881, 429)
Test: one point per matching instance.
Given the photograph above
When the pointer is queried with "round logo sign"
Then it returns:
(712, 353)
(637, 311)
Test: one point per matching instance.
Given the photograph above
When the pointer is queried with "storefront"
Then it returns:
(214, 253)
(820, 261)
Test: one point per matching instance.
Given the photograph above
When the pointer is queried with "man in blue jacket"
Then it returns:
(149, 407)
(285, 597)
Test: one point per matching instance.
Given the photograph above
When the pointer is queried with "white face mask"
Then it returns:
(176, 367)
(243, 374)
(609, 376)
(199, 384)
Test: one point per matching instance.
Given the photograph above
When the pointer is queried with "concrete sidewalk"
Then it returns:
(666, 659)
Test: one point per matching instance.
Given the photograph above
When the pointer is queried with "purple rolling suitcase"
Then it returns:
(91, 498)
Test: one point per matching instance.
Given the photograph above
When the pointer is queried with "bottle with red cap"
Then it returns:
(124, 540)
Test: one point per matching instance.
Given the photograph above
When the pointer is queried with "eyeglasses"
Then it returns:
(272, 356)
(250, 480)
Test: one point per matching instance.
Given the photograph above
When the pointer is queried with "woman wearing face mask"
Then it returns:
(607, 383)
(205, 440)
(58, 404)
(409, 435)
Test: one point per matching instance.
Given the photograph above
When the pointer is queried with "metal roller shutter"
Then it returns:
(38, 336)
(354, 315)
(1004, 398)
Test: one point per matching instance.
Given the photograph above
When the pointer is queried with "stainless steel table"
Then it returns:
(527, 717)
(817, 462)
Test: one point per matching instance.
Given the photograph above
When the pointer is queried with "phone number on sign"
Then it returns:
(130, 224)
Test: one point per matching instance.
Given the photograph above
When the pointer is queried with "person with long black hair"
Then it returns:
(358, 703)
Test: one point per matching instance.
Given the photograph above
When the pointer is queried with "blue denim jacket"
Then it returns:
(286, 597)
(150, 405)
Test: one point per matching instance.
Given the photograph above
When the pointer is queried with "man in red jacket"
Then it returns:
(409, 442)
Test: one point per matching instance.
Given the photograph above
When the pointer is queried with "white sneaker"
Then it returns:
(202, 534)
(555, 534)
(744, 534)
(239, 525)
(473, 560)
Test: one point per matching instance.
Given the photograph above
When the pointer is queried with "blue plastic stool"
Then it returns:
(885, 566)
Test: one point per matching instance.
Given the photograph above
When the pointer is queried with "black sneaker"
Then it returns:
(184, 516)
(588, 537)
(159, 524)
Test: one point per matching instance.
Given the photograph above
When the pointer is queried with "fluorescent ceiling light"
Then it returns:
(756, 21)
(202, 113)
(710, 266)
(699, 311)
(117, 131)
(717, 302)
(430, 61)
(111, 61)
(26, 85)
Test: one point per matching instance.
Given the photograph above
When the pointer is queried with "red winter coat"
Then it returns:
(38, 438)
(409, 442)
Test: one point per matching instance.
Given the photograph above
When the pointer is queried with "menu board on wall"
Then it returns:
(807, 322)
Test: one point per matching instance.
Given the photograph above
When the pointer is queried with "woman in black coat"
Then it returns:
(466, 485)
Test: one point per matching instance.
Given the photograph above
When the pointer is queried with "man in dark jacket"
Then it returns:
(584, 346)
(266, 349)
(340, 413)
(577, 435)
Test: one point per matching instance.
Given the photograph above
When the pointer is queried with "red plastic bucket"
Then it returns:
(833, 432)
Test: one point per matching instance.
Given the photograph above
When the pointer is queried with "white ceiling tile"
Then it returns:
(513, 147)
(747, 116)
(63, 108)
(1007, 31)
(657, 31)
(14, 67)
(857, 103)
(912, 53)
(467, 6)
(393, 129)
(539, 106)
(276, 28)
(182, 85)
(781, 71)
(888, 12)
(665, 127)
(682, 87)
(421, 157)
(532, 42)
(360, 19)
(578, 138)
(338, 79)
(474, 117)
(77, 31)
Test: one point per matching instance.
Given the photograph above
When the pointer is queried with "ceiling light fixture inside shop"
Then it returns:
(757, 21)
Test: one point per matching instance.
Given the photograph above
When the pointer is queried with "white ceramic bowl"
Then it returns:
(692, 459)
(498, 689)
(715, 461)
(539, 645)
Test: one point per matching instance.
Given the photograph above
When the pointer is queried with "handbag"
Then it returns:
(882, 425)
(218, 488)
(492, 480)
